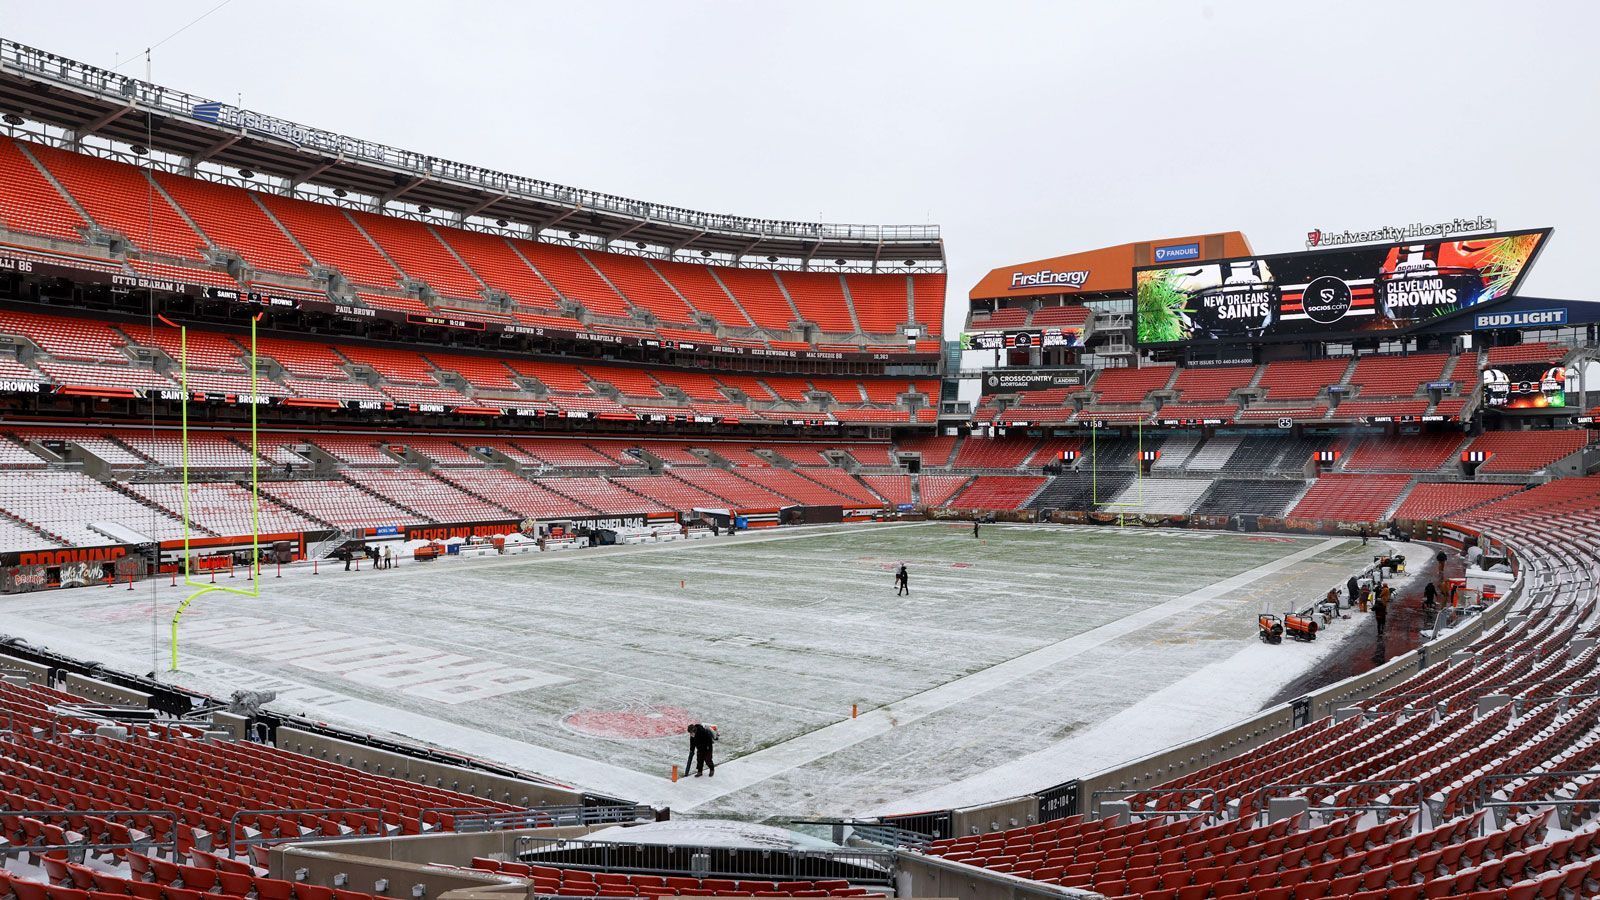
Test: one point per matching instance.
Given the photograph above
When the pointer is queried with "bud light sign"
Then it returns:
(1532, 318)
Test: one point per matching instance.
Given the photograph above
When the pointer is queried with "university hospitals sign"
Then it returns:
(1318, 238)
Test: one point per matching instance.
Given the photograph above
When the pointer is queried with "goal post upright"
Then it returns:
(255, 486)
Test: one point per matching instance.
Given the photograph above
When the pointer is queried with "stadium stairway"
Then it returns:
(1162, 495)
(1080, 489)
(1240, 496)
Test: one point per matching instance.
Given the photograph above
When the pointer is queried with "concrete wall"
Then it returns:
(426, 860)
(103, 691)
(35, 673)
(384, 762)
(931, 876)
(1009, 813)
(234, 725)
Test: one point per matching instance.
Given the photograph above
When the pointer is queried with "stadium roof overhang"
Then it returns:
(86, 100)
(1514, 313)
(1103, 271)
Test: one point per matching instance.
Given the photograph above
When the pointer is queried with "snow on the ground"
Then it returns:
(711, 833)
(1008, 645)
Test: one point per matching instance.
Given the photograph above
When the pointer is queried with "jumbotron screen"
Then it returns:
(1525, 386)
(1328, 294)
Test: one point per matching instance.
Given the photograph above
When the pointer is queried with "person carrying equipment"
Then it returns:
(701, 741)
(902, 581)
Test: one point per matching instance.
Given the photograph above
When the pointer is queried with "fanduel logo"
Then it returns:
(1046, 278)
(1177, 252)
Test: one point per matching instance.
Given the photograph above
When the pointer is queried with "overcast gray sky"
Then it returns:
(1024, 129)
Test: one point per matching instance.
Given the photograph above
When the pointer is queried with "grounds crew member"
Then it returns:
(1354, 587)
(974, 526)
(701, 740)
(902, 581)
(1380, 610)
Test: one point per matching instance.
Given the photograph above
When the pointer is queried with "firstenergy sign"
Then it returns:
(1072, 280)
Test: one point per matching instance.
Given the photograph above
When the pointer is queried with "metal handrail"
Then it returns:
(488, 818)
(1421, 804)
(170, 846)
(875, 832)
(1215, 810)
(233, 825)
(1485, 788)
(857, 865)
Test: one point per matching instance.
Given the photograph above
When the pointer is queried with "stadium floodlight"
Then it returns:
(572, 235)
(139, 149)
(201, 590)
(705, 253)
(340, 192)
(246, 173)
(838, 262)
(501, 222)
(13, 119)
(424, 209)
(911, 262)
(639, 244)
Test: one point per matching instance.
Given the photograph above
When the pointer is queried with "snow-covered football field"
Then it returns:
(1022, 658)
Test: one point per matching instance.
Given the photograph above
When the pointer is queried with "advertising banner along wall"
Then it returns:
(1328, 294)
(1014, 380)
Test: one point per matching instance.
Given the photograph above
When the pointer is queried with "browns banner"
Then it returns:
(1328, 294)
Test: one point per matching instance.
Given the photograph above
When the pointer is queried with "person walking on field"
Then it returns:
(902, 582)
(701, 740)
(1380, 611)
(974, 527)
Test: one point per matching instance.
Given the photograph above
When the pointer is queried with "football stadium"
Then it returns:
(375, 524)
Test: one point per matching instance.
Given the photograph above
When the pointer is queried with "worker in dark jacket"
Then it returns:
(1354, 587)
(701, 740)
(1380, 611)
(902, 581)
